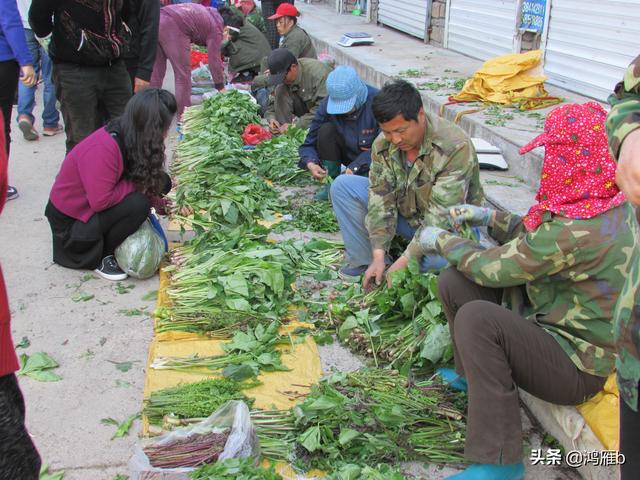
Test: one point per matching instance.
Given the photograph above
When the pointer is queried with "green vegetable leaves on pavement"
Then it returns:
(122, 428)
(46, 475)
(24, 343)
(38, 366)
(123, 366)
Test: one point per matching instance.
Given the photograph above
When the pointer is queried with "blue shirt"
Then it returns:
(358, 130)
(13, 45)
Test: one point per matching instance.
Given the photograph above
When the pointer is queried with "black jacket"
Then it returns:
(144, 19)
(85, 32)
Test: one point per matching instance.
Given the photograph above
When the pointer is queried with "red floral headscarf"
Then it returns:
(578, 173)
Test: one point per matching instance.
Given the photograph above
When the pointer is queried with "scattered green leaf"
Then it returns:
(123, 366)
(150, 295)
(82, 297)
(24, 343)
(123, 427)
(38, 366)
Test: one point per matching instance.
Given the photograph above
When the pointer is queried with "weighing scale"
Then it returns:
(354, 39)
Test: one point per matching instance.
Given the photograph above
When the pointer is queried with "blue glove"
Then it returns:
(471, 215)
(428, 238)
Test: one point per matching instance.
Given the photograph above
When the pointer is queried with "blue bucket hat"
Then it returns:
(345, 89)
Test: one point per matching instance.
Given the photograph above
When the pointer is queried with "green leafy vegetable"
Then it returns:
(38, 366)
(123, 428)
(123, 366)
(46, 475)
(24, 343)
(234, 469)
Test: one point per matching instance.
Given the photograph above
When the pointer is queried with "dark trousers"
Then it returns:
(19, 458)
(498, 351)
(83, 245)
(86, 94)
(9, 74)
(331, 145)
(629, 441)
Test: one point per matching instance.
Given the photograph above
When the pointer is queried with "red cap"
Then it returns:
(285, 10)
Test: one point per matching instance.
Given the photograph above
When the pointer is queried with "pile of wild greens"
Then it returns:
(310, 217)
(377, 416)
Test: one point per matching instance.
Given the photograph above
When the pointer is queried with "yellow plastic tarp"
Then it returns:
(506, 80)
(601, 414)
(279, 390)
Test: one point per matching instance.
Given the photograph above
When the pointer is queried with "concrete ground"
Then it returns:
(86, 324)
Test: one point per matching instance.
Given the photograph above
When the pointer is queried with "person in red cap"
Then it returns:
(269, 7)
(292, 37)
(536, 312)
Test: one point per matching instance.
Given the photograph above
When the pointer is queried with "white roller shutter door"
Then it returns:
(482, 28)
(590, 43)
(409, 16)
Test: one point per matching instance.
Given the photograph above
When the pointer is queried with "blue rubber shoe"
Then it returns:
(480, 471)
(450, 377)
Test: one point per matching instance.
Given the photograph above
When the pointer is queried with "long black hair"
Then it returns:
(142, 129)
(395, 98)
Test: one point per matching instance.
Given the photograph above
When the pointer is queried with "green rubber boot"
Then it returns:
(333, 170)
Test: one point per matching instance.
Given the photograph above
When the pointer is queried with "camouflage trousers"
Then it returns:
(498, 352)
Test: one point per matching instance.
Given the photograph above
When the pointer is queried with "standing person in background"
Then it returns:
(89, 38)
(15, 62)
(269, 8)
(26, 95)
(144, 20)
(623, 127)
(19, 458)
(180, 26)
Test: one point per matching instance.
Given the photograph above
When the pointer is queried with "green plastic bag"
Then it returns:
(141, 252)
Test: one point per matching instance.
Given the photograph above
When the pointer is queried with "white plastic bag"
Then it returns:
(241, 443)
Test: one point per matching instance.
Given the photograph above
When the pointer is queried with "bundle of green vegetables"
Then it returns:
(276, 159)
(376, 416)
(235, 469)
(351, 471)
(192, 402)
(403, 326)
(216, 287)
(226, 200)
(246, 355)
(223, 114)
(310, 217)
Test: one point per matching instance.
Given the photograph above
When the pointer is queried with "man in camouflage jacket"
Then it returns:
(623, 127)
(420, 166)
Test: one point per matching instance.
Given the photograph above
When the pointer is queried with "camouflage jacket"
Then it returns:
(624, 118)
(572, 272)
(309, 85)
(446, 173)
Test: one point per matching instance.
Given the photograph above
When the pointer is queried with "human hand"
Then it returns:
(139, 84)
(628, 171)
(400, 264)
(317, 171)
(348, 171)
(28, 75)
(373, 275)
(284, 127)
(274, 126)
(471, 215)
(428, 238)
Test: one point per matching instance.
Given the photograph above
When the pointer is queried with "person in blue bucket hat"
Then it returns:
(342, 131)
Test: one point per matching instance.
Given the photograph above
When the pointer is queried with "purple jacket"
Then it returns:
(90, 180)
(13, 45)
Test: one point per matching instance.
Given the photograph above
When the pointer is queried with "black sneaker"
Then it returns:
(12, 193)
(110, 270)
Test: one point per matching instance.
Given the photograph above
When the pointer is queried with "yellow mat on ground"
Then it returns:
(601, 414)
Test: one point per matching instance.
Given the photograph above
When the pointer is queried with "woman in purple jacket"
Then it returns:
(15, 62)
(102, 192)
(180, 26)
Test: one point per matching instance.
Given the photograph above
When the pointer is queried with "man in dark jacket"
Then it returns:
(342, 130)
(88, 43)
(244, 45)
(144, 19)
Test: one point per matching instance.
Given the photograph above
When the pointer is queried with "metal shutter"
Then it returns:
(590, 43)
(409, 16)
(482, 28)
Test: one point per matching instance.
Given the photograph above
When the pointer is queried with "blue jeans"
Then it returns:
(350, 199)
(26, 95)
